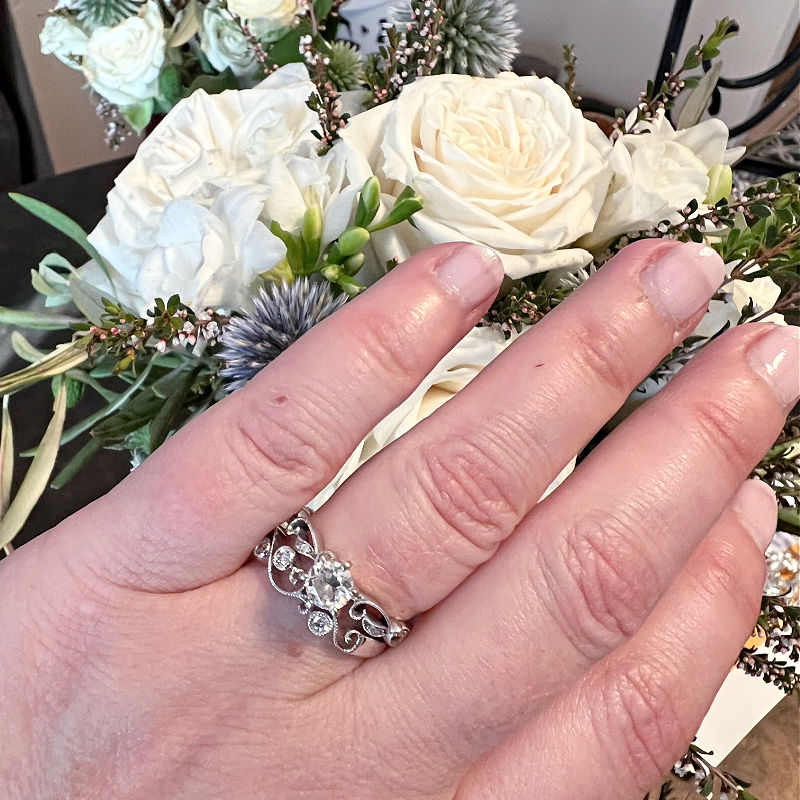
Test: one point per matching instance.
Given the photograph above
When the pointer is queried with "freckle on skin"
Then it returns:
(281, 399)
(293, 650)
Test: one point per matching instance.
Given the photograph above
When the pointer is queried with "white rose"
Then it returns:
(656, 172)
(477, 349)
(208, 256)
(225, 46)
(122, 63)
(258, 139)
(64, 39)
(273, 15)
(507, 162)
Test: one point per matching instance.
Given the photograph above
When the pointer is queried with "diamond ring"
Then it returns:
(324, 586)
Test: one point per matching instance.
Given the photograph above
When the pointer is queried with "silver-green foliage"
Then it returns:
(94, 13)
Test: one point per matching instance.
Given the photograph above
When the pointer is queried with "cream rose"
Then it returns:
(507, 162)
(64, 39)
(477, 349)
(656, 172)
(275, 15)
(122, 63)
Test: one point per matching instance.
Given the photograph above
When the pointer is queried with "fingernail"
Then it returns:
(776, 357)
(683, 279)
(757, 509)
(472, 271)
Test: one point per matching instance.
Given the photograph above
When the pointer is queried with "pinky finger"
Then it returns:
(633, 715)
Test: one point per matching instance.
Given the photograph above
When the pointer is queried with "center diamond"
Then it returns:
(329, 584)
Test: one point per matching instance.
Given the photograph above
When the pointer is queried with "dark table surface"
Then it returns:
(24, 241)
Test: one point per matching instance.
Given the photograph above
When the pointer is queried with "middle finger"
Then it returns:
(438, 502)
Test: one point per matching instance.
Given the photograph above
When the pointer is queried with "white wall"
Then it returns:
(618, 43)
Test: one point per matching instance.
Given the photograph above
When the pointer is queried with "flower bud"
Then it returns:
(369, 202)
(352, 241)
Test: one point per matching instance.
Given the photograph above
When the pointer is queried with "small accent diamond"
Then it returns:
(262, 549)
(319, 623)
(303, 547)
(283, 558)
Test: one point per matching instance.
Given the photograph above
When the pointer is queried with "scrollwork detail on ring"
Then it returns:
(298, 568)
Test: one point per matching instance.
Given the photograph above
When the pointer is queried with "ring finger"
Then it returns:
(438, 502)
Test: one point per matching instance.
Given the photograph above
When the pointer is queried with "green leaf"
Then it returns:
(61, 222)
(169, 85)
(115, 405)
(214, 84)
(24, 349)
(699, 98)
(286, 50)
(186, 25)
(35, 481)
(322, 8)
(139, 116)
(294, 247)
(6, 458)
(38, 320)
(163, 421)
(137, 412)
(74, 465)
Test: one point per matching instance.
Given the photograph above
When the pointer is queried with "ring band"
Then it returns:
(297, 567)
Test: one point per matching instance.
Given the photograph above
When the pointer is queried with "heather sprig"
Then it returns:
(660, 97)
(411, 51)
(125, 337)
(779, 626)
(477, 37)
(709, 781)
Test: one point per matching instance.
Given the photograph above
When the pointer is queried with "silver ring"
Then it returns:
(297, 567)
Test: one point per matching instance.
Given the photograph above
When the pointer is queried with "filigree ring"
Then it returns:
(297, 567)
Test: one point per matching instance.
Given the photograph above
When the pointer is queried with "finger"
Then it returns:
(457, 485)
(635, 713)
(194, 509)
(588, 564)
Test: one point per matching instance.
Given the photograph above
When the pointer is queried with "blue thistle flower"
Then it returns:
(282, 314)
(478, 37)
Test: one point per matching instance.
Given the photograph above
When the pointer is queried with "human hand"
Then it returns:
(145, 655)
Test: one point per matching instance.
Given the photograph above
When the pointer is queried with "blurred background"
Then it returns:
(48, 126)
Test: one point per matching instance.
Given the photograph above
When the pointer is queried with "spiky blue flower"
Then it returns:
(478, 37)
(281, 315)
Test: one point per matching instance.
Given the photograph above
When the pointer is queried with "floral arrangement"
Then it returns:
(250, 215)
(141, 57)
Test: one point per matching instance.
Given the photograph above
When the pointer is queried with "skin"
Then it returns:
(559, 648)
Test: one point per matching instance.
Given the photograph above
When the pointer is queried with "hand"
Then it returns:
(557, 651)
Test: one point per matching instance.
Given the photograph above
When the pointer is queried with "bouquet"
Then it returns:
(141, 57)
(248, 216)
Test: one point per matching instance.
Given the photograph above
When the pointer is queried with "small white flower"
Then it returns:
(64, 39)
(122, 63)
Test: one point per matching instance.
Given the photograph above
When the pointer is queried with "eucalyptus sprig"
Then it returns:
(662, 96)
(570, 64)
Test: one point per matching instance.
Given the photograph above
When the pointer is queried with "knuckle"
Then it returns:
(718, 425)
(599, 582)
(640, 719)
(287, 442)
(599, 355)
(468, 490)
(384, 344)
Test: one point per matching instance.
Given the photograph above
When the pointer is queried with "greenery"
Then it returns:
(106, 12)
(659, 97)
